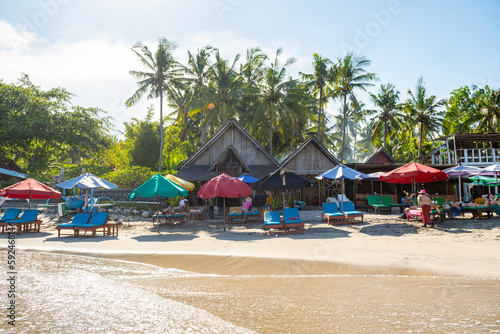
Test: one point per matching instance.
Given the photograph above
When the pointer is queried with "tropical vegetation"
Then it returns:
(42, 131)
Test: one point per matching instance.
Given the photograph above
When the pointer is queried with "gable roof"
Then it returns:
(229, 154)
(234, 126)
(313, 168)
(378, 157)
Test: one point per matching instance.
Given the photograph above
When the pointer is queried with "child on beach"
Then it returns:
(245, 209)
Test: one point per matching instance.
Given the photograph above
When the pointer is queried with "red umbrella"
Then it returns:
(224, 186)
(30, 189)
(414, 172)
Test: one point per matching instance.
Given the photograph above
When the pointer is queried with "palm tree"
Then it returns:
(488, 102)
(387, 100)
(425, 111)
(349, 75)
(318, 82)
(162, 72)
(197, 71)
(280, 99)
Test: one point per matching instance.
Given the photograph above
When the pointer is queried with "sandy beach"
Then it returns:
(460, 246)
(385, 275)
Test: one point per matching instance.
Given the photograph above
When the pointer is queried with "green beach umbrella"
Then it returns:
(158, 186)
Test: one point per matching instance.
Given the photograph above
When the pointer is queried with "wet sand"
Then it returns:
(384, 275)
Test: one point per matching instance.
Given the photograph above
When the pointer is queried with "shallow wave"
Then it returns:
(67, 293)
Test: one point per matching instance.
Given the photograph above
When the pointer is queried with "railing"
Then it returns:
(474, 157)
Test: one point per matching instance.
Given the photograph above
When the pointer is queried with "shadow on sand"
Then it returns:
(393, 230)
(165, 237)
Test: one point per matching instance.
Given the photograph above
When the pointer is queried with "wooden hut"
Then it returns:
(309, 160)
(231, 150)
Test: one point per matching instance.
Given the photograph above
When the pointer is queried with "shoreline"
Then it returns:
(383, 244)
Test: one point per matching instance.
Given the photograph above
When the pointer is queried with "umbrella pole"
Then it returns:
(459, 187)
(158, 214)
(224, 213)
(372, 186)
(29, 201)
(342, 193)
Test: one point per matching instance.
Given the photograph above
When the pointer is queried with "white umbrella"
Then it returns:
(461, 170)
(87, 181)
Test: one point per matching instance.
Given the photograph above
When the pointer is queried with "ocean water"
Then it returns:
(63, 293)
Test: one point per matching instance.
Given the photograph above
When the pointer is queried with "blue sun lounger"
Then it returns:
(27, 221)
(272, 221)
(97, 221)
(351, 213)
(10, 214)
(81, 218)
(331, 212)
(291, 220)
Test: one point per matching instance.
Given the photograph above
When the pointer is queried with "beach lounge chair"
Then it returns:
(387, 200)
(27, 221)
(272, 221)
(80, 218)
(169, 219)
(374, 202)
(234, 212)
(438, 200)
(10, 214)
(351, 213)
(97, 221)
(254, 214)
(331, 212)
(291, 220)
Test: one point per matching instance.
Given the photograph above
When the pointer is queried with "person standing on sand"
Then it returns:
(477, 197)
(245, 208)
(425, 203)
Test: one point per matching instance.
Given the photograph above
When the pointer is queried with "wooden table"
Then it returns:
(110, 228)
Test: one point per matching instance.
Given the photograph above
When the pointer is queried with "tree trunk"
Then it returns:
(320, 111)
(161, 131)
(420, 143)
(343, 129)
(385, 133)
(271, 133)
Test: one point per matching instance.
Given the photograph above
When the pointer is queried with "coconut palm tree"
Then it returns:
(349, 74)
(197, 72)
(425, 111)
(280, 99)
(488, 101)
(162, 72)
(317, 82)
(387, 100)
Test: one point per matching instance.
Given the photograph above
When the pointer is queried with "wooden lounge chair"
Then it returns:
(80, 218)
(97, 221)
(27, 221)
(234, 212)
(10, 214)
(475, 210)
(331, 212)
(169, 219)
(387, 200)
(351, 213)
(291, 220)
(254, 214)
(272, 221)
(374, 202)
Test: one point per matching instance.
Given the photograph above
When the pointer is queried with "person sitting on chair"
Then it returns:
(184, 205)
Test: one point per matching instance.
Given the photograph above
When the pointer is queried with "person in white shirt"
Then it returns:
(184, 205)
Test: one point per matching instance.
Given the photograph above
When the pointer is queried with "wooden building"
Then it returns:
(472, 149)
(309, 160)
(231, 150)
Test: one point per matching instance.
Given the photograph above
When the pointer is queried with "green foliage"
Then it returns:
(40, 129)
(277, 203)
(129, 177)
(290, 202)
(144, 141)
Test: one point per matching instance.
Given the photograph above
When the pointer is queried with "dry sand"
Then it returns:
(382, 243)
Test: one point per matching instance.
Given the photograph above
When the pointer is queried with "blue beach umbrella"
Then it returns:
(247, 178)
(342, 172)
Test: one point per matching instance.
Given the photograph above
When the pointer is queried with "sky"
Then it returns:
(85, 46)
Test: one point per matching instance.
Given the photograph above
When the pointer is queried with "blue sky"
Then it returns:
(84, 46)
